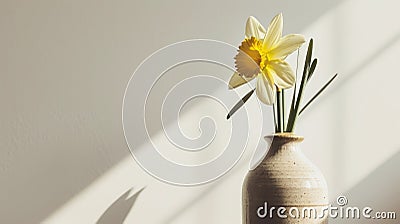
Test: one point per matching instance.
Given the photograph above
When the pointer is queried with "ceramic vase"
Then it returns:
(285, 187)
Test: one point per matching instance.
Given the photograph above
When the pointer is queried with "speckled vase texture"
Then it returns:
(287, 183)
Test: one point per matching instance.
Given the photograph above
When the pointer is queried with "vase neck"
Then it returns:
(283, 141)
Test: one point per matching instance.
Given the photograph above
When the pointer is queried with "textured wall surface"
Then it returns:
(64, 66)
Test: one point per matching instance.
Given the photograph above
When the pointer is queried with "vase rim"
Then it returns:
(285, 136)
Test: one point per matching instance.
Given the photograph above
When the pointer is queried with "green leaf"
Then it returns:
(318, 93)
(283, 110)
(274, 112)
(294, 113)
(240, 104)
(308, 56)
(279, 110)
(292, 104)
(312, 68)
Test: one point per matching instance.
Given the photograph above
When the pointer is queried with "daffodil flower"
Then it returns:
(262, 54)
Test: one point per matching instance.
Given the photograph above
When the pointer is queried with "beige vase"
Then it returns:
(285, 187)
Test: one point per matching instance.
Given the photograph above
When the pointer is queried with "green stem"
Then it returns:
(293, 119)
(295, 83)
(295, 112)
(283, 110)
(279, 109)
(293, 103)
(273, 111)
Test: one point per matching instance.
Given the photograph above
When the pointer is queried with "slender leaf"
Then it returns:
(274, 112)
(308, 56)
(279, 110)
(292, 104)
(318, 93)
(294, 113)
(312, 69)
(240, 104)
(283, 110)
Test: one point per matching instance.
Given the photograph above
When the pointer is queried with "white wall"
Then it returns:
(64, 66)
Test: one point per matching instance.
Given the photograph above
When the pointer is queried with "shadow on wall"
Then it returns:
(119, 210)
(64, 93)
(380, 191)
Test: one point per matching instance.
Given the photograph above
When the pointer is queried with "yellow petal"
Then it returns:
(282, 74)
(265, 91)
(286, 46)
(254, 29)
(237, 80)
(274, 32)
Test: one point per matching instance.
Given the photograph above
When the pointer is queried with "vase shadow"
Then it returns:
(119, 209)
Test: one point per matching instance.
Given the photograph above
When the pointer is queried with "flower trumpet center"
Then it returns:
(251, 57)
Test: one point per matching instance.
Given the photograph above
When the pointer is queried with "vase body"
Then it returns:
(286, 182)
